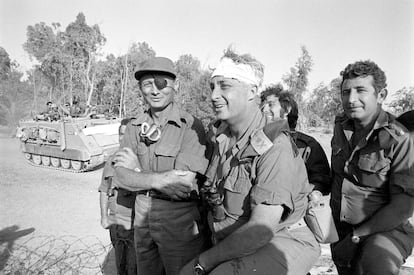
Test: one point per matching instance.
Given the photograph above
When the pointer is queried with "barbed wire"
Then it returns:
(57, 255)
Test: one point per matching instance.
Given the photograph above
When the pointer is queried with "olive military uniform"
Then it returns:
(168, 233)
(280, 179)
(364, 179)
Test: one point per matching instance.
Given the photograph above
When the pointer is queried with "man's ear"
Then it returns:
(253, 93)
(382, 95)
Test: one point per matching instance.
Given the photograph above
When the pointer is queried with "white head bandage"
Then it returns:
(227, 68)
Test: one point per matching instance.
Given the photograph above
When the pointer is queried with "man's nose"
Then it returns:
(215, 93)
(353, 95)
(265, 108)
(155, 90)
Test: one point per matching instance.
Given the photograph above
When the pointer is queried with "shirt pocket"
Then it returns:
(166, 156)
(237, 187)
(374, 169)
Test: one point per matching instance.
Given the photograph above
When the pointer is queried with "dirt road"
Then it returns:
(40, 205)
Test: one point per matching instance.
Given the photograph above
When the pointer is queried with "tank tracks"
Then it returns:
(59, 164)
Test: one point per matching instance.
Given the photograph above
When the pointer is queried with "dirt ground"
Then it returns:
(49, 220)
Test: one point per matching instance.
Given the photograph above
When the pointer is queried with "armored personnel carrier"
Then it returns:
(72, 144)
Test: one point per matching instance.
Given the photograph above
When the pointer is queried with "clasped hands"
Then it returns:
(177, 184)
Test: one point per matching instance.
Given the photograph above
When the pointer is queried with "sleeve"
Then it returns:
(318, 168)
(277, 178)
(402, 166)
(107, 172)
(192, 154)
(130, 138)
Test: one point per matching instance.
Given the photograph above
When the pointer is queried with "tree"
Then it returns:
(325, 101)
(5, 64)
(194, 91)
(45, 44)
(403, 100)
(297, 79)
(82, 42)
(15, 97)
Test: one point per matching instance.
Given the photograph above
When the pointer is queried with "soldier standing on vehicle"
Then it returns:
(168, 146)
(372, 196)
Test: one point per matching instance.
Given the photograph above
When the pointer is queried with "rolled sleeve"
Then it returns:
(130, 137)
(192, 154)
(276, 176)
(107, 172)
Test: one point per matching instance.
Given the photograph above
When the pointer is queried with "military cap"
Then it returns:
(156, 65)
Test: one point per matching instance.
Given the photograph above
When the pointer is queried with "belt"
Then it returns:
(299, 224)
(158, 195)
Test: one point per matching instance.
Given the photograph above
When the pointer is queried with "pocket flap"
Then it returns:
(167, 150)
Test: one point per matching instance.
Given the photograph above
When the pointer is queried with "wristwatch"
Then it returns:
(355, 239)
(198, 268)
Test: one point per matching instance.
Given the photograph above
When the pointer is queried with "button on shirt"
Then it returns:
(364, 177)
(181, 145)
(281, 178)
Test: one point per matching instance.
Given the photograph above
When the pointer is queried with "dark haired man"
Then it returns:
(163, 151)
(116, 205)
(280, 105)
(372, 195)
(257, 185)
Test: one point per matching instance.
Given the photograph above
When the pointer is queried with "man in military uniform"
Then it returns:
(280, 105)
(116, 205)
(163, 151)
(260, 181)
(372, 196)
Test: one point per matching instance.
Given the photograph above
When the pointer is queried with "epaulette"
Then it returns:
(262, 139)
(391, 134)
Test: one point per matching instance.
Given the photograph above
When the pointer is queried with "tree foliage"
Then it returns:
(15, 97)
(298, 77)
(5, 64)
(325, 101)
(403, 100)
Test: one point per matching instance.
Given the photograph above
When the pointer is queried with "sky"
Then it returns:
(335, 32)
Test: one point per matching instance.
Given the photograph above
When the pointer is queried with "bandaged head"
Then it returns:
(242, 72)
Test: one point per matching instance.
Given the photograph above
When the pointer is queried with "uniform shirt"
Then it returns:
(317, 165)
(121, 203)
(280, 178)
(180, 147)
(364, 177)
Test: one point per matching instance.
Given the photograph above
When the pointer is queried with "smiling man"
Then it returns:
(163, 151)
(257, 185)
(277, 105)
(373, 178)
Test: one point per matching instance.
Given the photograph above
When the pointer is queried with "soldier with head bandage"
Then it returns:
(256, 184)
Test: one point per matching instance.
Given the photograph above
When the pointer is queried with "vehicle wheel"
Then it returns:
(76, 165)
(55, 162)
(27, 156)
(46, 160)
(65, 163)
(37, 159)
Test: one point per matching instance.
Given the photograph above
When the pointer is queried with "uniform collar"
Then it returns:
(173, 114)
(382, 120)
(223, 132)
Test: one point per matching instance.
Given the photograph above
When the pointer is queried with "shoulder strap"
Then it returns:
(261, 141)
